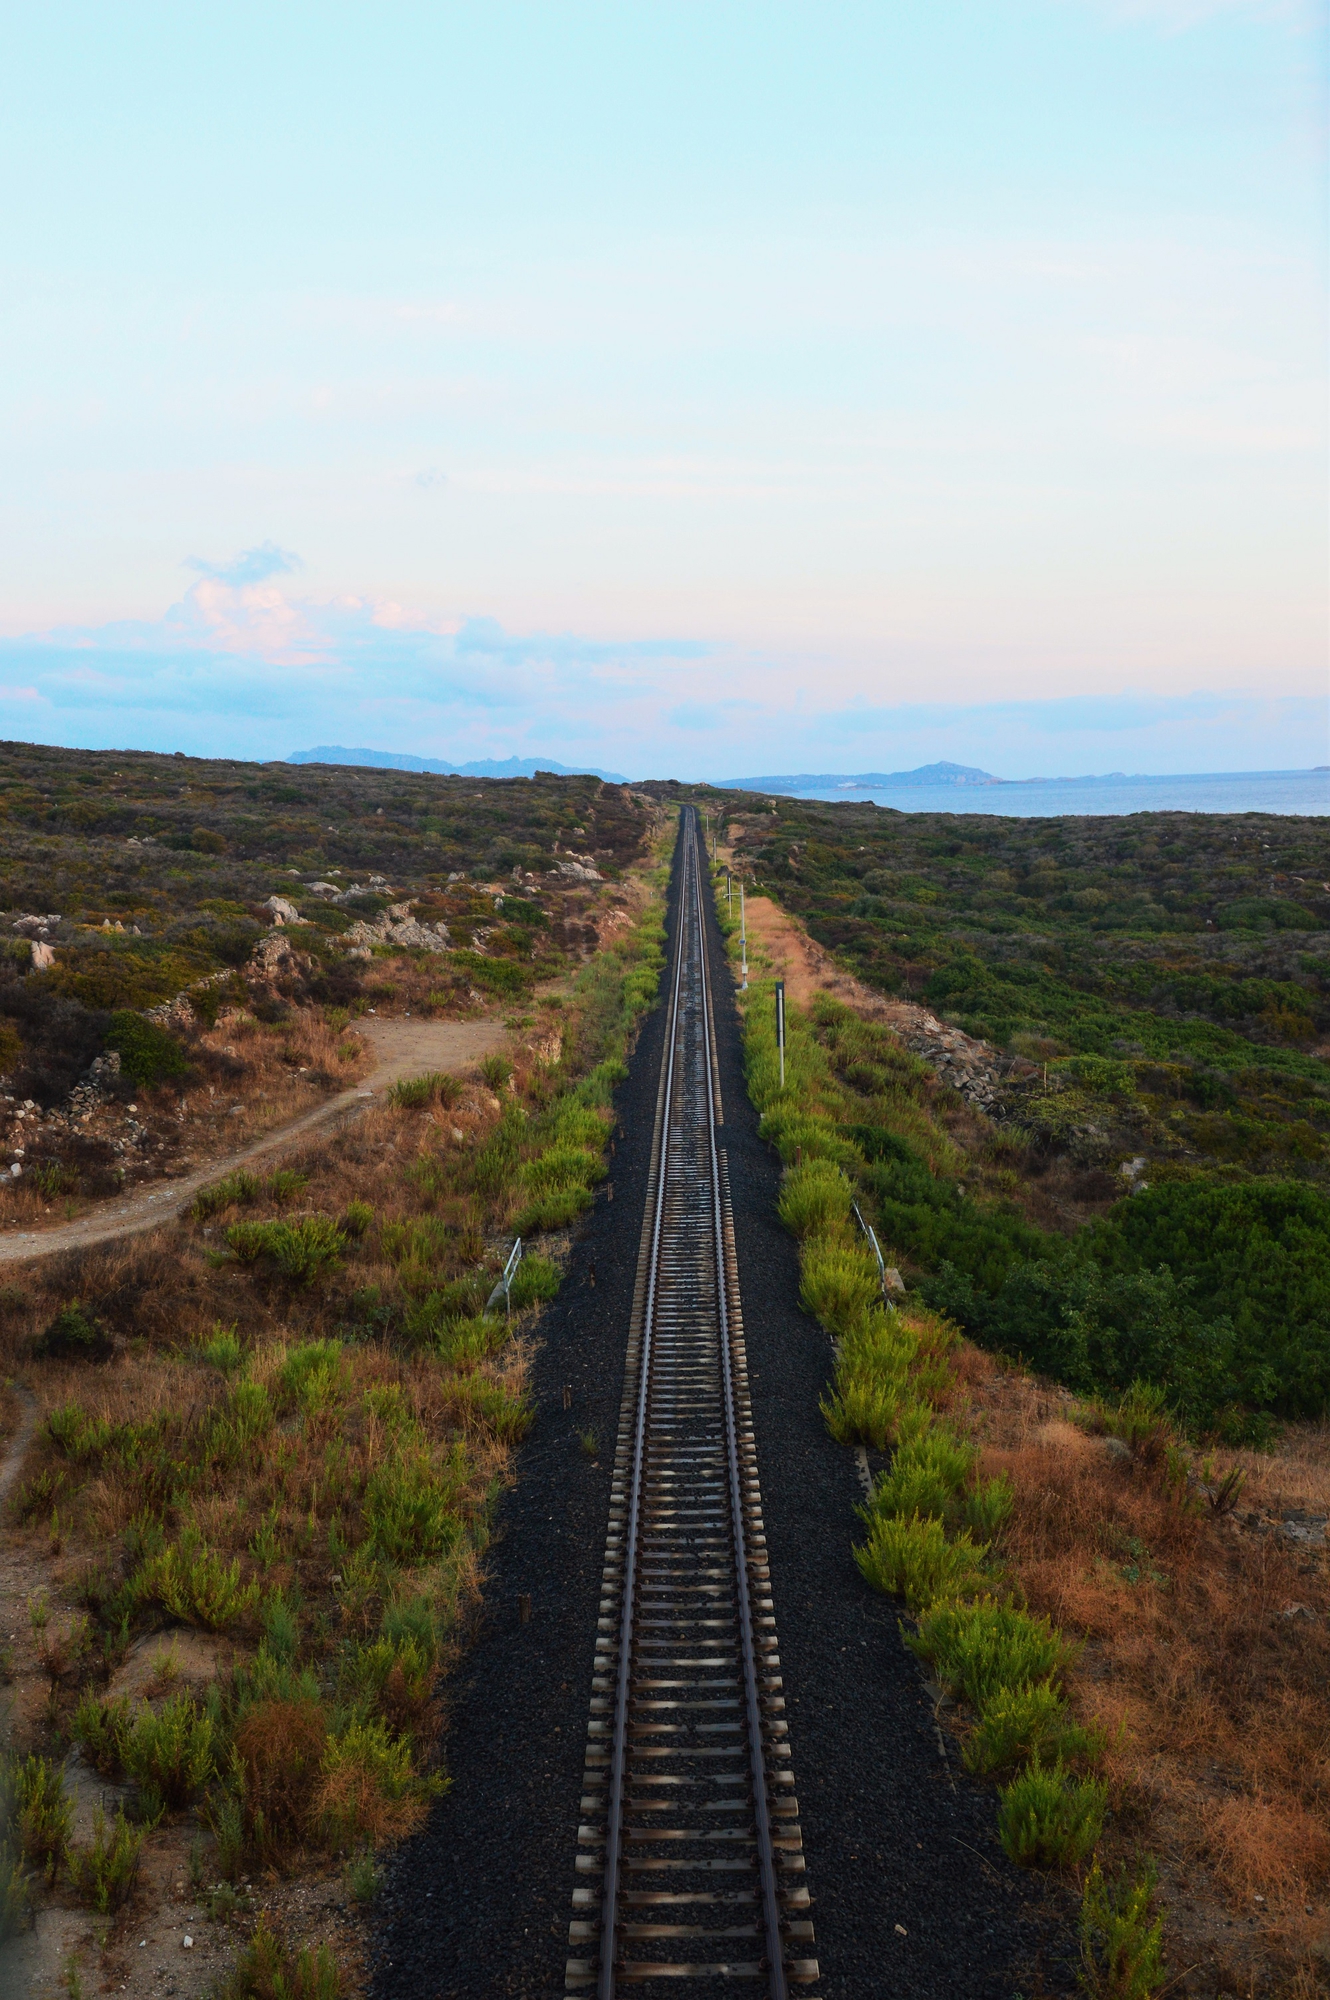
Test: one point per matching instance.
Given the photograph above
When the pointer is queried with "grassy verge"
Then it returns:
(1115, 1649)
(269, 1447)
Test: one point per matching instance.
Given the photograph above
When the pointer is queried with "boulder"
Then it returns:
(283, 912)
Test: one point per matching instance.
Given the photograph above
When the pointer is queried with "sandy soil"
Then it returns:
(403, 1049)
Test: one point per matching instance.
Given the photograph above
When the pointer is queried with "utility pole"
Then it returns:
(743, 937)
(780, 1027)
(729, 894)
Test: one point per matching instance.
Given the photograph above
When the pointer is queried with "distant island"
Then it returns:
(485, 767)
(807, 781)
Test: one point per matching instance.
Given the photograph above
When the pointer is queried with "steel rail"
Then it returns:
(766, 1859)
(706, 1758)
(623, 1689)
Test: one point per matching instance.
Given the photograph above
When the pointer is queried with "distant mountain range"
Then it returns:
(485, 767)
(807, 781)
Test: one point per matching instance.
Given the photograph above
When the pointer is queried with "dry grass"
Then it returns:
(302, 1472)
(1210, 1686)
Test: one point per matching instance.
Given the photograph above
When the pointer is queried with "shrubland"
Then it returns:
(266, 1444)
(1151, 1199)
(186, 943)
(1121, 1615)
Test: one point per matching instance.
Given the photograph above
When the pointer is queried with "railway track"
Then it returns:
(690, 1863)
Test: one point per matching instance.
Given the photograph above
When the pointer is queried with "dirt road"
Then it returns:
(403, 1048)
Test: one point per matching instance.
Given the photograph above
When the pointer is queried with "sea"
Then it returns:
(1054, 798)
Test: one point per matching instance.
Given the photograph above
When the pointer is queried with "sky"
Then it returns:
(690, 389)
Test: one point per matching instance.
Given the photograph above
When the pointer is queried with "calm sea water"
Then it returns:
(1050, 798)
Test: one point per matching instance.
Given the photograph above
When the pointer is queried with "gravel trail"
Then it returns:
(912, 1895)
(404, 1048)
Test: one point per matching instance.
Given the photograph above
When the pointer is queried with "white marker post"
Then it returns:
(743, 938)
(780, 1027)
(729, 894)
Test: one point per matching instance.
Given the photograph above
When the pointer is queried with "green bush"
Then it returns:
(815, 1199)
(148, 1055)
(14, 1882)
(497, 1071)
(410, 1506)
(913, 1559)
(536, 1278)
(75, 1335)
(265, 1970)
(223, 1349)
(170, 1753)
(981, 1648)
(103, 1872)
(1018, 1723)
(45, 1814)
(357, 1219)
(1049, 1818)
(286, 1184)
(237, 1187)
(1122, 1954)
(437, 1086)
(194, 1584)
(99, 1728)
(926, 1477)
(301, 1251)
(556, 1210)
(839, 1284)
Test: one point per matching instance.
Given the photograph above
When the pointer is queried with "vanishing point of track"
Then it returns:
(690, 1863)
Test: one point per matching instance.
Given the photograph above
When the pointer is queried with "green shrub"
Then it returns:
(913, 1559)
(497, 1071)
(194, 1584)
(862, 1411)
(302, 1250)
(148, 1055)
(1018, 1723)
(410, 1506)
(171, 1753)
(286, 1184)
(266, 1970)
(986, 1506)
(44, 1812)
(1121, 1946)
(14, 1882)
(240, 1186)
(79, 1436)
(980, 1648)
(413, 1093)
(357, 1219)
(103, 1872)
(1048, 1818)
(223, 1349)
(556, 1210)
(839, 1285)
(494, 1407)
(75, 1335)
(461, 1343)
(926, 1476)
(536, 1278)
(314, 1373)
(99, 1728)
(815, 1199)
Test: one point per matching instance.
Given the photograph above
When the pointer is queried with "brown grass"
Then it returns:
(280, 1745)
(1213, 1699)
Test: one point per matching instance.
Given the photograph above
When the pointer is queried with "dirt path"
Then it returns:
(404, 1048)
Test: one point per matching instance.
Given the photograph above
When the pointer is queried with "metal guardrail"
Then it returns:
(505, 1284)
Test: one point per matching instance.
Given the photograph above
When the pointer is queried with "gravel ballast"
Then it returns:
(912, 1895)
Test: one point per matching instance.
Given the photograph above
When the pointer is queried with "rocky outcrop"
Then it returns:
(396, 925)
(973, 1068)
(578, 869)
(282, 911)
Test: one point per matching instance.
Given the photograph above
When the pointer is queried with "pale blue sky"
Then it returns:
(687, 388)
